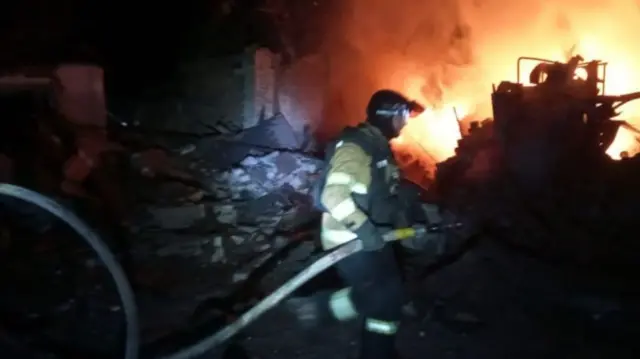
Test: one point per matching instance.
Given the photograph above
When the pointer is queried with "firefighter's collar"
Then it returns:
(383, 163)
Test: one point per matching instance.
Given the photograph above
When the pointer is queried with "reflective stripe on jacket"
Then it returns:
(359, 185)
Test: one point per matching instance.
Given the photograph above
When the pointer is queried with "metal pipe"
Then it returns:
(521, 58)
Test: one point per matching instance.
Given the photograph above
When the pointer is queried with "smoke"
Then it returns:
(380, 43)
(452, 51)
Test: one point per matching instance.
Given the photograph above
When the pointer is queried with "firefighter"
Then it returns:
(358, 195)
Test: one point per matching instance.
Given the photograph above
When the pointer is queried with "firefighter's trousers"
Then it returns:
(375, 294)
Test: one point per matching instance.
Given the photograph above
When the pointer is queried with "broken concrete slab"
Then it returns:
(257, 176)
(239, 246)
(297, 217)
(274, 133)
(181, 217)
(270, 204)
(225, 213)
(167, 245)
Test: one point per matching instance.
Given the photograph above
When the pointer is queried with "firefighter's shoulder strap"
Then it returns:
(365, 137)
(368, 146)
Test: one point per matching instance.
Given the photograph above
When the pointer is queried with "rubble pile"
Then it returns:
(540, 179)
(244, 192)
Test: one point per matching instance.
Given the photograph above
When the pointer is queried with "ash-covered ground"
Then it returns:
(492, 302)
(204, 225)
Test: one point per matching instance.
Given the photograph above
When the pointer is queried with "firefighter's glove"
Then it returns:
(370, 236)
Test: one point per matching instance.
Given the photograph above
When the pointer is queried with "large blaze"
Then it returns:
(449, 54)
(438, 129)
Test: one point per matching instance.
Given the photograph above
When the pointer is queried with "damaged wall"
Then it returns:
(249, 202)
(243, 185)
(233, 93)
(302, 89)
(223, 94)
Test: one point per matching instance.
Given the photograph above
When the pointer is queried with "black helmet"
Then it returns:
(388, 111)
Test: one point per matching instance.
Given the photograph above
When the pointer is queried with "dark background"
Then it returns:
(139, 43)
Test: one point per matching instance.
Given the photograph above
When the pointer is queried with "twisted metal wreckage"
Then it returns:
(505, 177)
(540, 167)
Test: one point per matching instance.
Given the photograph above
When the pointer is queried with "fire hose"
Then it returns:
(317, 267)
(216, 339)
(101, 249)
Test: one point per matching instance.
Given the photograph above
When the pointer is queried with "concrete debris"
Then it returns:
(176, 217)
(235, 243)
(269, 204)
(256, 177)
(170, 193)
(252, 185)
(219, 255)
(186, 149)
(239, 246)
(181, 249)
(273, 133)
(157, 162)
(239, 277)
(257, 198)
(296, 217)
(165, 245)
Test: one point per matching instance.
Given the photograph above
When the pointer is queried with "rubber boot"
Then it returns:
(311, 311)
(377, 346)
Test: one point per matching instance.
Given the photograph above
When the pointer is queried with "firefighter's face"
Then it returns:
(404, 113)
(400, 120)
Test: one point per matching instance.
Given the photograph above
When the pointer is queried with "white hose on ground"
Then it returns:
(126, 293)
(102, 250)
(216, 339)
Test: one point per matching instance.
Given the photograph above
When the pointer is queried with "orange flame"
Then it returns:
(500, 33)
(437, 131)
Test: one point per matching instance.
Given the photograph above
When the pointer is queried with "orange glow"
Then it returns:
(446, 73)
(436, 131)
(433, 134)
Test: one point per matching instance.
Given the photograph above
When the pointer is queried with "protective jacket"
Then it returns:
(359, 184)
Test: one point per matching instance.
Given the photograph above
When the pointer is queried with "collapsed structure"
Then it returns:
(187, 204)
(539, 169)
(212, 207)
